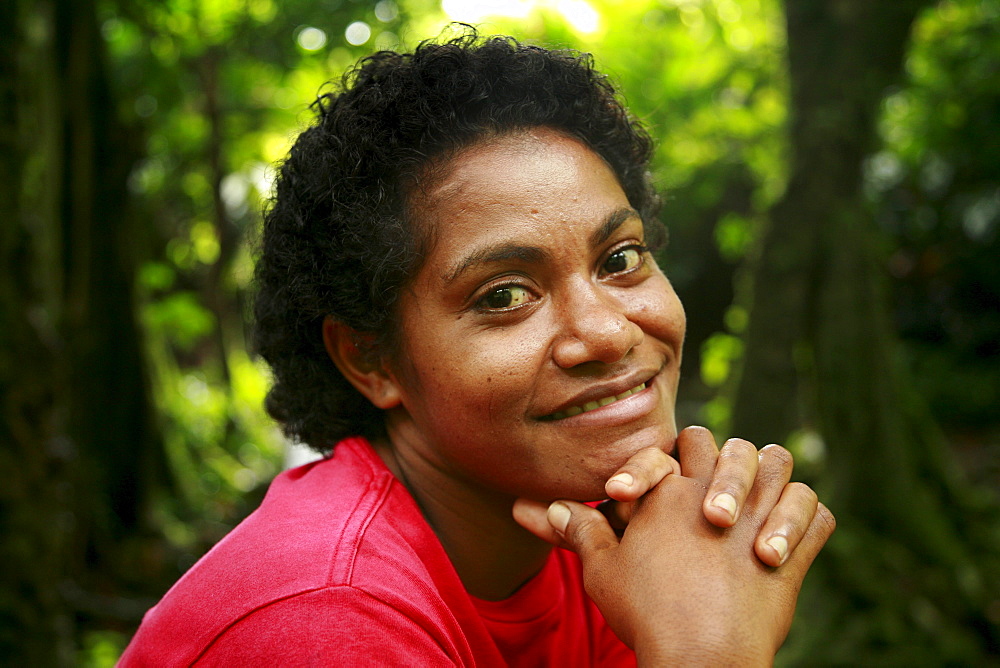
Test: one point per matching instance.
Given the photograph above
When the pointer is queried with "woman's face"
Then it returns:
(541, 343)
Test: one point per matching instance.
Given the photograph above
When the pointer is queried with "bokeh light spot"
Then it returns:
(386, 11)
(311, 39)
(358, 33)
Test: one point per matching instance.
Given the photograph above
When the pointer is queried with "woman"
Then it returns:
(461, 309)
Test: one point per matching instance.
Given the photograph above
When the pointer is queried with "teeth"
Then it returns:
(591, 405)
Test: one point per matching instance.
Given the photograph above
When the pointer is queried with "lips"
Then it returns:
(597, 398)
(593, 405)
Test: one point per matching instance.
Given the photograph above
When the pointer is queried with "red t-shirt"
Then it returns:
(339, 567)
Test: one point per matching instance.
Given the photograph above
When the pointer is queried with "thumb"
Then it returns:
(584, 529)
(533, 516)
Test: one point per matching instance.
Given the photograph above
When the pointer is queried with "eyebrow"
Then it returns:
(497, 253)
(533, 254)
(614, 220)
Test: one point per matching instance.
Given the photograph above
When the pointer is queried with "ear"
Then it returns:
(370, 379)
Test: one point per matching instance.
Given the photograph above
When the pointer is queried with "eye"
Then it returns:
(507, 296)
(623, 259)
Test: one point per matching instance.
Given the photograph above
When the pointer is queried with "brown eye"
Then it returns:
(506, 297)
(623, 259)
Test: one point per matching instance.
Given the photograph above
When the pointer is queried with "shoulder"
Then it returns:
(334, 545)
(343, 623)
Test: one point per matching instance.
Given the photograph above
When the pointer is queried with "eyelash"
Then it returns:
(641, 249)
(480, 302)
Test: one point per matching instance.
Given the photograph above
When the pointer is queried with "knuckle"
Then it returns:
(586, 529)
(578, 527)
(644, 461)
(736, 456)
(738, 447)
(778, 455)
(803, 492)
(671, 490)
(827, 517)
(690, 436)
(652, 452)
(652, 457)
(584, 520)
(696, 430)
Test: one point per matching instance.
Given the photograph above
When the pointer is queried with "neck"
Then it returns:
(492, 554)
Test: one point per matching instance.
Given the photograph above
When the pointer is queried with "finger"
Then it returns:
(774, 470)
(585, 530)
(820, 528)
(533, 516)
(697, 453)
(787, 524)
(640, 474)
(734, 476)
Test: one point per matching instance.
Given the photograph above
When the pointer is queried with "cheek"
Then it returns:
(477, 385)
(660, 313)
(675, 315)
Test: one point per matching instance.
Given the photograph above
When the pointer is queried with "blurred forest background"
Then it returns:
(832, 173)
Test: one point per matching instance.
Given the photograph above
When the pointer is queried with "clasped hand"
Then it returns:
(700, 559)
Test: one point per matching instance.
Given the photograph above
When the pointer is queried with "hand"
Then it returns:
(728, 474)
(678, 584)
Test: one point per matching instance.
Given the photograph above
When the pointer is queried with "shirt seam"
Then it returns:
(382, 481)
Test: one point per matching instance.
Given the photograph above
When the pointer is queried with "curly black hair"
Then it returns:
(336, 238)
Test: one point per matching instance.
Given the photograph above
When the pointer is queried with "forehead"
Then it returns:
(515, 184)
(513, 161)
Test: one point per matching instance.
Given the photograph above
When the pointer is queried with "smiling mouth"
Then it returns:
(594, 405)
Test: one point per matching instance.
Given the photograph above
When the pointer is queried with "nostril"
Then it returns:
(605, 339)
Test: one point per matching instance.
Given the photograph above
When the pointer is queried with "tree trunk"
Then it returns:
(35, 623)
(78, 447)
(898, 581)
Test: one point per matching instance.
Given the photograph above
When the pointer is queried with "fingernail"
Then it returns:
(558, 516)
(625, 479)
(726, 502)
(780, 545)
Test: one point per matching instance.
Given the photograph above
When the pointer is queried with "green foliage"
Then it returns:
(936, 186)
(717, 356)
(733, 235)
(215, 90)
(101, 649)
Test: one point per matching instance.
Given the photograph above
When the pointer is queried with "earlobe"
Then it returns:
(368, 377)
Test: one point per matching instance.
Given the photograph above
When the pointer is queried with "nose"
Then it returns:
(595, 327)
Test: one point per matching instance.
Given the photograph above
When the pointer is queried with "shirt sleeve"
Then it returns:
(334, 626)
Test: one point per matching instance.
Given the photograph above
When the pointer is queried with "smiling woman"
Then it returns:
(555, 300)
(462, 312)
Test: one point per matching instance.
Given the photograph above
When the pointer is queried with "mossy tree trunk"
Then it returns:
(908, 576)
(77, 443)
(35, 625)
